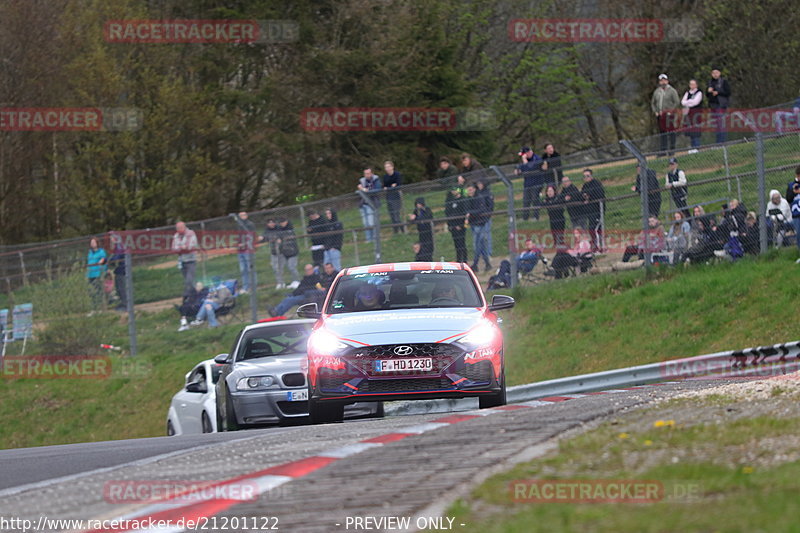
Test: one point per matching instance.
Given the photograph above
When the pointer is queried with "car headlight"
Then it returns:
(255, 383)
(482, 335)
(324, 342)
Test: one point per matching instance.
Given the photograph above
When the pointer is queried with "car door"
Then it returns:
(190, 407)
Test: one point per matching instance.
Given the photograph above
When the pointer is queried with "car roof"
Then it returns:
(277, 323)
(399, 267)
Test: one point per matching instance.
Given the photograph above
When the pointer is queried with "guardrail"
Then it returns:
(766, 361)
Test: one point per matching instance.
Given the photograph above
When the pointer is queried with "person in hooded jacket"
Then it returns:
(288, 250)
(315, 229)
(277, 261)
(333, 240)
(779, 216)
(455, 210)
(486, 192)
(423, 216)
(554, 205)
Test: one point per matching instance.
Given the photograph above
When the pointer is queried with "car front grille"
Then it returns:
(480, 371)
(334, 382)
(405, 385)
(295, 379)
(293, 408)
(363, 358)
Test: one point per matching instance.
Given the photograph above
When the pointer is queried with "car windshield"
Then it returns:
(412, 289)
(274, 340)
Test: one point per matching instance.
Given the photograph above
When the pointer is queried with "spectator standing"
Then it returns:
(653, 190)
(95, 270)
(370, 185)
(533, 180)
(333, 240)
(719, 96)
(551, 164)
(594, 195)
(446, 170)
(272, 235)
(455, 211)
(184, 243)
(791, 186)
(391, 181)
(478, 218)
(468, 164)
(117, 263)
(664, 104)
(574, 202)
(246, 249)
(692, 103)
(423, 216)
(555, 212)
(288, 250)
(316, 228)
(677, 185)
(485, 191)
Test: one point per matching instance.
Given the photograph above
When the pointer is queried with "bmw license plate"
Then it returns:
(297, 395)
(400, 365)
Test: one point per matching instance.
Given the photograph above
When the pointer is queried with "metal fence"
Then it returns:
(617, 229)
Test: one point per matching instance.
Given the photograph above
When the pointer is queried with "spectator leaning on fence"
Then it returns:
(593, 194)
(478, 214)
(288, 249)
(370, 185)
(530, 168)
(692, 103)
(653, 190)
(574, 202)
(455, 211)
(246, 249)
(95, 269)
(446, 169)
(551, 164)
(719, 95)
(665, 104)
(423, 216)
(391, 181)
(184, 243)
(677, 185)
(315, 229)
(333, 239)
(277, 261)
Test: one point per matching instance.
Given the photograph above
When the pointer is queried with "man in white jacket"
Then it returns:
(780, 212)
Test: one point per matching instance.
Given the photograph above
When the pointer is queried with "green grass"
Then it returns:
(706, 469)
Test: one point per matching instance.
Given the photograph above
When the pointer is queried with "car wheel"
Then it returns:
(325, 413)
(494, 400)
(206, 423)
(170, 429)
(230, 415)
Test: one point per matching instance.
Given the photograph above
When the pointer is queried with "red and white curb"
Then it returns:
(178, 510)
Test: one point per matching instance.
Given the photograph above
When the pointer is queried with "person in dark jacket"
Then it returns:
(333, 239)
(719, 95)
(554, 205)
(533, 180)
(485, 190)
(653, 190)
(593, 196)
(316, 229)
(246, 248)
(446, 169)
(271, 235)
(116, 263)
(750, 236)
(193, 298)
(288, 250)
(478, 218)
(705, 237)
(391, 181)
(551, 165)
(790, 187)
(423, 216)
(574, 202)
(455, 211)
(307, 290)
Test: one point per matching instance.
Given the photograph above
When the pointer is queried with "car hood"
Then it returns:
(270, 364)
(403, 326)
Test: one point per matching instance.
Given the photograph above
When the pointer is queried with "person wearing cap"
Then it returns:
(676, 183)
(719, 95)
(531, 171)
(455, 210)
(423, 216)
(665, 104)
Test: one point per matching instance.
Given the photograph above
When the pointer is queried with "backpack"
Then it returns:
(501, 280)
(734, 247)
(289, 246)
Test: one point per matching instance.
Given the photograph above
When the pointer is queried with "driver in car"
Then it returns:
(444, 293)
(369, 297)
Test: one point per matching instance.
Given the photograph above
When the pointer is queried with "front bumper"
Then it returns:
(267, 407)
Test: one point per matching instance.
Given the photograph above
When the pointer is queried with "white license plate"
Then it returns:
(400, 365)
(297, 395)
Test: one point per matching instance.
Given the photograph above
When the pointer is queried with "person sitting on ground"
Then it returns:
(528, 259)
(306, 291)
(190, 306)
(779, 216)
(215, 299)
(704, 241)
(652, 241)
(579, 256)
(750, 236)
(369, 297)
(502, 278)
(678, 238)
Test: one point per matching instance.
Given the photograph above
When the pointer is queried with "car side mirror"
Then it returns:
(501, 301)
(196, 386)
(309, 311)
(221, 359)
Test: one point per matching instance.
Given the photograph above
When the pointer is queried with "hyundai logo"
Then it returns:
(403, 350)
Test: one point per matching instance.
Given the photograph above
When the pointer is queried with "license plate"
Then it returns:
(400, 365)
(297, 395)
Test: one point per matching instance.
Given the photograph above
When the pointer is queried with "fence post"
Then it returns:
(355, 246)
(24, 272)
(376, 223)
(645, 194)
(762, 192)
(512, 224)
(201, 253)
(303, 226)
(129, 291)
(728, 173)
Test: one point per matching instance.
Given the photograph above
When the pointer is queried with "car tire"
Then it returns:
(379, 412)
(170, 429)
(205, 423)
(230, 415)
(325, 413)
(494, 400)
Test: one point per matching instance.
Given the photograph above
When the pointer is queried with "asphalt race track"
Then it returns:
(310, 478)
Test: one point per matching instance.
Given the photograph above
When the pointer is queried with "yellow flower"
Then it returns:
(648, 442)
(623, 436)
(663, 423)
(747, 470)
